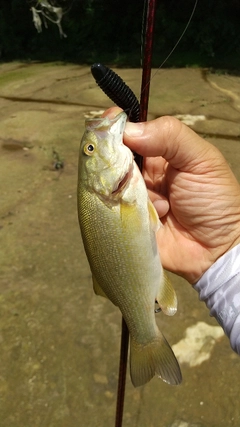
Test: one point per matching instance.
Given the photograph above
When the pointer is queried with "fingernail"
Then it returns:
(134, 129)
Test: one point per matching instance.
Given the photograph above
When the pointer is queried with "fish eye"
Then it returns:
(89, 149)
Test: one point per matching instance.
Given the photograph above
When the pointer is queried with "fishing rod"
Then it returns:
(117, 90)
(122, 95)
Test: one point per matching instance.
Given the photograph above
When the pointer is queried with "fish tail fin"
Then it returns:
(153, 358)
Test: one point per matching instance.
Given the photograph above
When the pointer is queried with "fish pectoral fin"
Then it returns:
(153, 217)
(166, 297)
(156, 357)
(130, 216)
(97, 288)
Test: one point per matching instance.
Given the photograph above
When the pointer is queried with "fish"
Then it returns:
(118, 225)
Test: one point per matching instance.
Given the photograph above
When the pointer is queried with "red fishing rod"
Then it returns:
(147, 58)
(122, 95)
(145, 87)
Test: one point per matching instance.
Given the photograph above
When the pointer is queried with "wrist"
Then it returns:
(211, 256)
(219, 288)
(224, 251)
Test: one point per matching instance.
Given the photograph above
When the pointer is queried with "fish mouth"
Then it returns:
(123, 182)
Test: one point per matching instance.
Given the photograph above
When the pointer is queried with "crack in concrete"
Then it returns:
(47, 101)
(230, 94)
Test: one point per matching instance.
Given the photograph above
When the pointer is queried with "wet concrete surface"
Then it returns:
(59, 342)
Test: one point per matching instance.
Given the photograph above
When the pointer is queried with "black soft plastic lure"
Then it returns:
(120, 93)
(117, 90)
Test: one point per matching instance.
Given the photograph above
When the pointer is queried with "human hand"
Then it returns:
(194, 191)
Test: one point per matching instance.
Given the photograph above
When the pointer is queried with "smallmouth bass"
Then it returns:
(118, 225)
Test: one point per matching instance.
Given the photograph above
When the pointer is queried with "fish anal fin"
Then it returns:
(156, 357)
(97, 288)
(166, 297)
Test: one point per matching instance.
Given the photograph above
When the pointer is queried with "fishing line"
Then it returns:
(117, 90)
(176, 44)
(180, 38)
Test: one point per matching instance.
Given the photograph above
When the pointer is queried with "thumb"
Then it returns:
(174, 141)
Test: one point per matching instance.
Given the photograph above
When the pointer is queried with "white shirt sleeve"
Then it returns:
(219, 288)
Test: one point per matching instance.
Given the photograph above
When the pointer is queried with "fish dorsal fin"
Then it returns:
(166, 297)
(153, 217)
(97, 288)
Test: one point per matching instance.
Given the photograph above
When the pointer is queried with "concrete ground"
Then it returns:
(59, 342)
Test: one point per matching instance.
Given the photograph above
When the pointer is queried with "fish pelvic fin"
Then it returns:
(153, 358)
(97, 288)
(166, 297)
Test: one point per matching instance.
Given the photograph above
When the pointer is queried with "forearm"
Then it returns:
(219, 288)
